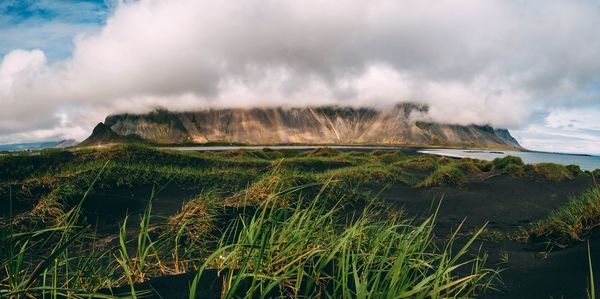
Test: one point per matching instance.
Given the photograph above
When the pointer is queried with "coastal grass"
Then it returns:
(268, 220)
(445, 175)
(423, 163)
(572, 222)
(553, 172)
(305, 250)
(509, 165)
(274, 223)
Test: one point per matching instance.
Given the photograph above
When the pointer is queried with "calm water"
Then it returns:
(584, 161)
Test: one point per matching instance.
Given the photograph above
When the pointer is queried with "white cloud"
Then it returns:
(488, 62)
(574, 119)
(564, 130)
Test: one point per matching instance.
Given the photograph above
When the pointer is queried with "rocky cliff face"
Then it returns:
(312, 125)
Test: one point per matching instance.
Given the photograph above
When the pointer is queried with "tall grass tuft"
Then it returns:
(445, 175)
(553, 172)
(309, 251)
(572, 222)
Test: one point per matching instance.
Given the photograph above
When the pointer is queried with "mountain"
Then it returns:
(37, 145)
(311, 125)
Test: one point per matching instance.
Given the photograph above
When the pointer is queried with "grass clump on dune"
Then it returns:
(313, 163)
(367, 175)
(271, 182)
(570, 223)
(420, 163)
(388, 156)
(552, 172)
(575, 170)
(509, 165)
(324, 152)
(468, 166)
(445, 175)
(197, 217)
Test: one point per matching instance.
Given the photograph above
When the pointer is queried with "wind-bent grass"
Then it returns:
(23, 273)
(445, 175)
(572, 222)
(307, 251)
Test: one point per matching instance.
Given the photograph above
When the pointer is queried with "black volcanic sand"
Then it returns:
(505, 203)
(508, 204)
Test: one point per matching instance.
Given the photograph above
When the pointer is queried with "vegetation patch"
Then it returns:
(324, 152)
(575, 170)
(552, 172)
(368, 175)
(197, 218)
(445, 175)
(572, 222)
(272, 223)
(303, 252)
(468, 166)
(269, 184)
(420, 163)
(313, 163)
(509, 165)
(16, 167)
(388, 157)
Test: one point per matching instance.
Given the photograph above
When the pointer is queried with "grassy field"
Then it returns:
(261, 223)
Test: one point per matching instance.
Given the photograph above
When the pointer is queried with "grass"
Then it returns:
(420, 163)
(553, 172)
(275, 222)
(306, 251)
(509, 165)
(470, 166)
(504, 257)
(445, 175)
(572, 222)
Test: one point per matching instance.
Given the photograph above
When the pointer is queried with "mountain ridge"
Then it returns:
(401, 125)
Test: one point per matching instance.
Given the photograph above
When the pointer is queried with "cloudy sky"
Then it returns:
(530, 66)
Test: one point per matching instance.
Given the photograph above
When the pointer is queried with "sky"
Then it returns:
(530, 66)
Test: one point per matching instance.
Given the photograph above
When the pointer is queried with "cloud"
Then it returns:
(487, 62)
(569, 131)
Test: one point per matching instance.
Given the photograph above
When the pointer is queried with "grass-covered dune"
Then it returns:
(259, 223)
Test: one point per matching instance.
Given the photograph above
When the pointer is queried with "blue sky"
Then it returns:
(49, 25)
(530, 66)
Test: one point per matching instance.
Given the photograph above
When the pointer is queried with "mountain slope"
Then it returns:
(312, 125)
